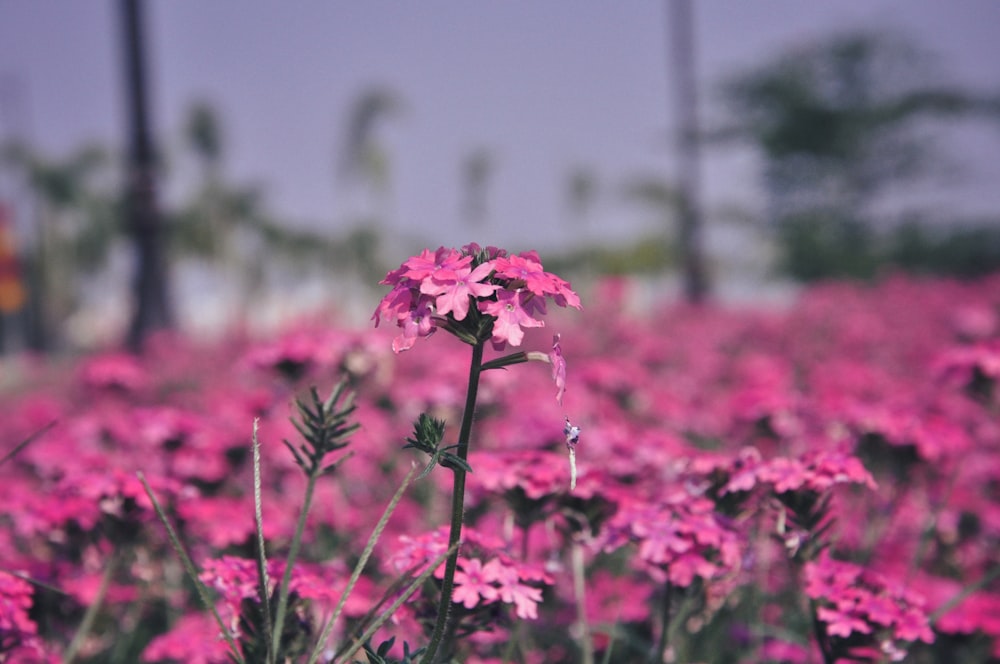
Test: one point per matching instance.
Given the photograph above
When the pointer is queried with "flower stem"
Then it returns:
(579, 592)
(659, 655)
(293, 552)
(457, 509)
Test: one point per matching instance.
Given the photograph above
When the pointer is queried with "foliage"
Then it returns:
(840, 124)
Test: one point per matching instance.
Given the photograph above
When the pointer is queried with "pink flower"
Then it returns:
(194, 638)
(416, 322)
(454, 293)
(558, 368)
(437, 289)
(526, 271)
(442, 264)
(511, 316)
(473, 583)
(525, 598)
(15, 602)
(854, 601)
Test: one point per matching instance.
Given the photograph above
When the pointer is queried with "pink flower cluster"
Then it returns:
(701, 428)
(864, 614)
(441, 288)
(486, 574)
(17, 631)
(814, 472)
(679, 537)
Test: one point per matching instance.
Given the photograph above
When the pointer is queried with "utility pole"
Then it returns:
(151, 304)
(680, 26)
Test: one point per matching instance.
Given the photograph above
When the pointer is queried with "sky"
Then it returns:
(543, 86)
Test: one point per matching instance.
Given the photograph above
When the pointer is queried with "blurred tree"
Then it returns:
(227, 224)
(364, 161)
(476, 172)
(203, 135)
(364, 158)
(664, 202)
(837, 126)
(75, 225)
(581, 192)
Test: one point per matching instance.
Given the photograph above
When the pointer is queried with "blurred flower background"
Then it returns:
(294, 153)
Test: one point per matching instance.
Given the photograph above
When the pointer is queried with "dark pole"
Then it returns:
(681, 29)
(149, 289)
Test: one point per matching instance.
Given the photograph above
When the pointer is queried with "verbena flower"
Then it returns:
(679, 537)
(476, 294)
(866, 617)
(18, 632)
(194, 639)
(486, 574)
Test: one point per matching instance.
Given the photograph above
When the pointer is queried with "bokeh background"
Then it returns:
(301, 150)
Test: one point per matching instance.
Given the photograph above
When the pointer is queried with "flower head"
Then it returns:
(476, 294)
(860, 608)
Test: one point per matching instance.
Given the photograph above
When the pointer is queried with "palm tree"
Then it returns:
(476, 173)
(581, 192)
(364, 162)
(152, 308)
(690, 223)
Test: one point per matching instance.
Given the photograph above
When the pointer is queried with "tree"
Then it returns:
(476, 171)
(75, 226)
(364, 158)
(364, 161)
(836, 126)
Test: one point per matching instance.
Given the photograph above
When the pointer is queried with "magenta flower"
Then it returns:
(511, 315)
(476, 294)
(453, 294)
(17, 629)
(680, 537)
(861, 611)
(474, 583)
(558, 368)
(511, 590)
(416, 322)
(194, 639)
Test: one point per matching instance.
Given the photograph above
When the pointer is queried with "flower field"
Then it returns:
(818, 483)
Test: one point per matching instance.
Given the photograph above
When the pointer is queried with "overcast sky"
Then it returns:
(545, 86)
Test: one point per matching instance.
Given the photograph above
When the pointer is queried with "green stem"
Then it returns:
(91, 615)
(819, 632)
(412, 588)
(659, 655)
(203, 593)
(359, 567)
(457, 508)
(263, 583)
(579, 593)
(293, 552)
(976, 586)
